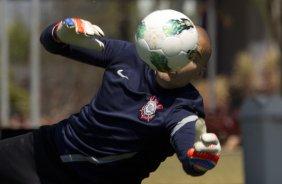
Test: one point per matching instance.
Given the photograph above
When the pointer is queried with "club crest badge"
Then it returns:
(148, 111)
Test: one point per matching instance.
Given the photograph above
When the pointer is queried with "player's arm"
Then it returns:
(76, 39)
(198, 150)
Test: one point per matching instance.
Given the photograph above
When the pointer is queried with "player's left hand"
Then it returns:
(79, 32)
(206, 151)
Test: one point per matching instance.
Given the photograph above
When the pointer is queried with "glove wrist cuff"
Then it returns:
(202, 155)
(54, 35)
(199, 170)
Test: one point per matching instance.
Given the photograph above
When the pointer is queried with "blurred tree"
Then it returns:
(19, 98)
(177, 5)
(125, 21)
(242, 80)
(19, 53)
(271, 11)
(19, 42)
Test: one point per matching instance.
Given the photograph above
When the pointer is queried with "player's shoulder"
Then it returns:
(121, 48)
(121, 51)
(117, 43)
(192, 99)
(189, 92)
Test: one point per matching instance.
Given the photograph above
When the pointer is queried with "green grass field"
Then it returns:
(228, 171)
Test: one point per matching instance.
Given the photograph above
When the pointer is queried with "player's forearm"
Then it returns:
(49, 43)
(182, 145)
(54, 46)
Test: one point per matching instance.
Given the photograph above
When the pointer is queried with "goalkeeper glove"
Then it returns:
(206, 151)
(79, 32)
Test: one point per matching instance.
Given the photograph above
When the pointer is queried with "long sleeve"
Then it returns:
(73, 52)
(182, 140)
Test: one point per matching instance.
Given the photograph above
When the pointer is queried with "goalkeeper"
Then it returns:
(138, 118)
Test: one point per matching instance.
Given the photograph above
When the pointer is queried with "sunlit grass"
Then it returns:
(228, 171)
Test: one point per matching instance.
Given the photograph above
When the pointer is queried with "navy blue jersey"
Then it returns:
(132, 124)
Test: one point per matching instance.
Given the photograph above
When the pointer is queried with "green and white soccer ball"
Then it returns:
(165, 40)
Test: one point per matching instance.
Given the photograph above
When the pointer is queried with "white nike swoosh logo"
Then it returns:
(119, 72)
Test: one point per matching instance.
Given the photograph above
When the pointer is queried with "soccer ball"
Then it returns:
(165, 40)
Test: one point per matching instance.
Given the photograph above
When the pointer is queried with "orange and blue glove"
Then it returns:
(206, 150)
(79, 32)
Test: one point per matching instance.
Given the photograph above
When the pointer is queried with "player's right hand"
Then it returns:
(79, 32)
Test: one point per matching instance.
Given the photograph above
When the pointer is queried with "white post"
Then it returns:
(5, 105)
(35, 63)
